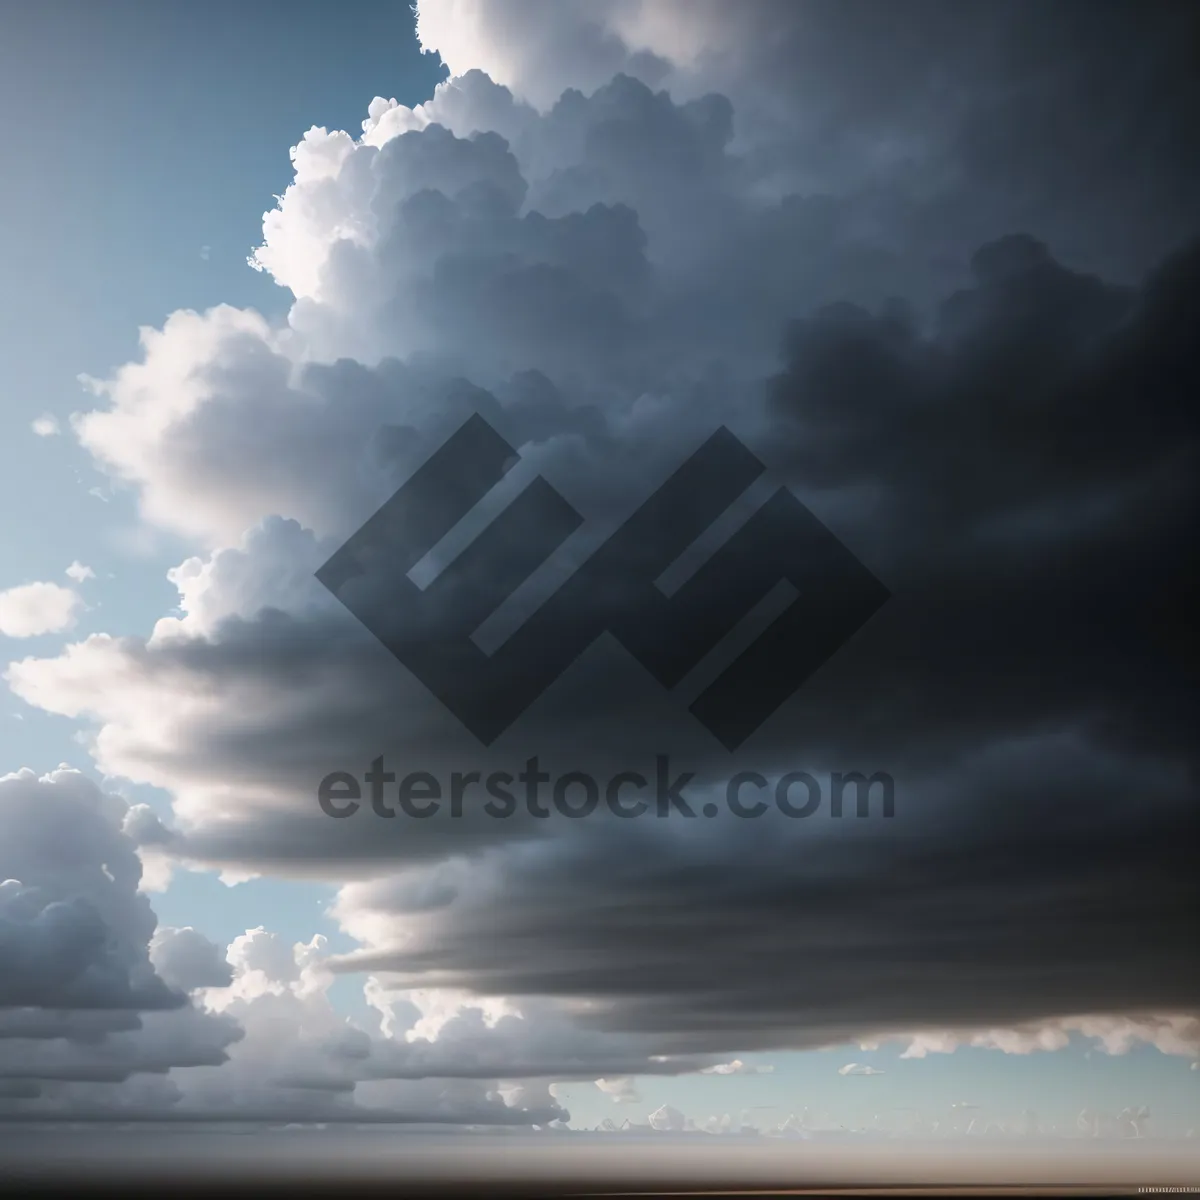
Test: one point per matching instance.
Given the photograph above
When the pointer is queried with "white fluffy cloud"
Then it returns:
(540, 48)
(32, 609)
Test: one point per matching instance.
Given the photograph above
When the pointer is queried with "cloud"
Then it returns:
(32, 609)
(83, 1012)
(79, 573)
(945, 148)
(1176, 1034)
(620, 1091)
(943, 539)
(187, 960)
(737, 1067)
(607, 275)
(93, 1016)
(297, 1055)
(858, 1069)
(46, 425)
(75, 929)
(968, 552)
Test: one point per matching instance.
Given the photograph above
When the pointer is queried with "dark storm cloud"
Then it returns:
(1016, 465)
(770, 940)
(1029, 474)
(943, 125)
(1024, 685)
(1025, 481)
(79, 1025)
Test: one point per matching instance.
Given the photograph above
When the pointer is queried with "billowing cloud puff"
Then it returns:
(187, 960)
(299, 1059)
(32, 609)
(93, 1015)
(75, 928)
(83, 1011)
(841, 99)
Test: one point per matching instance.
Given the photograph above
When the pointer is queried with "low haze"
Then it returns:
(909, 287)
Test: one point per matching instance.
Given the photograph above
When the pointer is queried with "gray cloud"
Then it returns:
(187, 960)
(82, 1006)
(1022, 730)
(972, 360)
(844, 98)
(73, 928)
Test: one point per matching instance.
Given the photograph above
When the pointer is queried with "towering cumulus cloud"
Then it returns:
(616, 227)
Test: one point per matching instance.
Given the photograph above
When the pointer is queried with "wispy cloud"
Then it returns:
(78, 572)
(737, 1067)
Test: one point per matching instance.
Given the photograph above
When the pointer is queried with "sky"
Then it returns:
(258, 264)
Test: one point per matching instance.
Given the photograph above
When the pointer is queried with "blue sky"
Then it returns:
(149, 143)
(143, 145)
